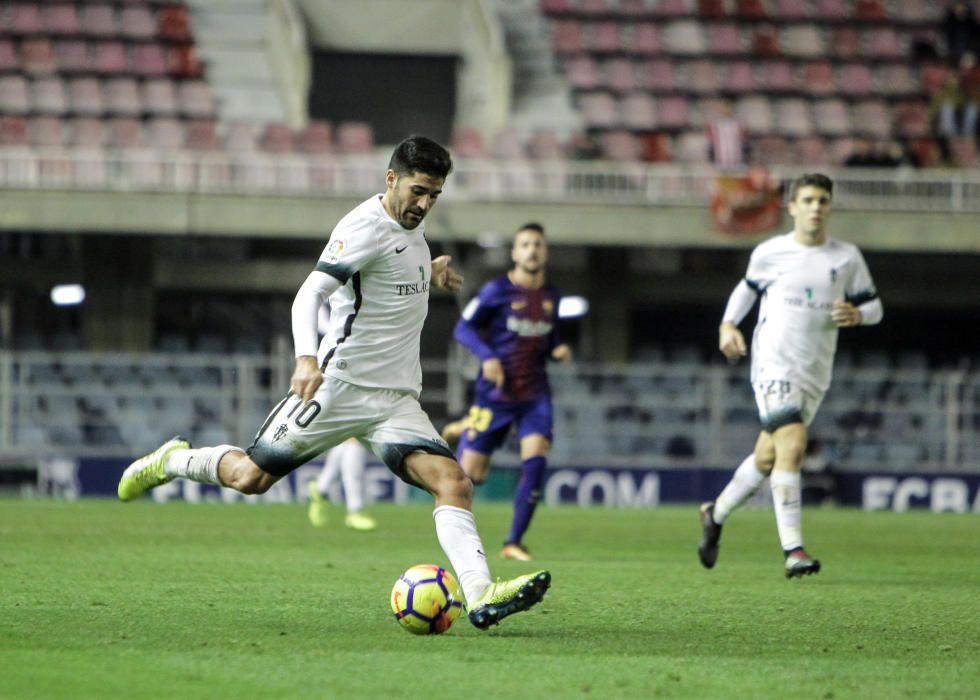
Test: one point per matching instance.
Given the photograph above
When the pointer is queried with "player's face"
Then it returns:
(810, 210)
(410, 196)
(530, 252)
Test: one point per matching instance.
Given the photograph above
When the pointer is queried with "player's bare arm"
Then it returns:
(845, 314)
(731, 342)
(445, 277)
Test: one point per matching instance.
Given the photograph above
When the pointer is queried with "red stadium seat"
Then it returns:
(912, 120)
(9, 61)
(844, 42)
(86, 132)
(46, 132)
(122, 97)
(62, 18)
(657, 75)
(778, 76)
(620, 74)
(37, 56)
(790, 9)
(672, 113)
(74, 56)
(159, 97)
(599, 109)
(173, 23)
(355, 137)
(643, 38)
(276, 138)
(545, 145)
(13, 131)
(14, 95)
(149, 60)
(467, 142)
(793, 117)
(25, 18)
(620, 146)
(566, 36)
(165, 134)
(711, 9)
(755, 113)
(883, 42)
(85, 97)
(818, 78)
(702, 77)
(723, 38)
(137, 22)
(202, 135)
(691, 147)
(831, 117)
(638, 111)
(771, 150)
(855, 79)
(49, 96)
(194, 99)
(765, 40)
(603, 37)
(896, 79)
(124, 132)
(316, 138)
(98, 20)
(870, 10)
(872, 118)
(582, 72)
(110, 58)
(183, 61)
(813, 151)
(750, 9)
(739, 76)
(832, 10)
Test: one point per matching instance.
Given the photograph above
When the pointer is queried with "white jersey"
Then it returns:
(795, 337)
(376, 316)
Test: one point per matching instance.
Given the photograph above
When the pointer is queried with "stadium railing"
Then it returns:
(658, 414)
(930, 190)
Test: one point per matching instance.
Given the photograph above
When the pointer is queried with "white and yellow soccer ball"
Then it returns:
(426, 599)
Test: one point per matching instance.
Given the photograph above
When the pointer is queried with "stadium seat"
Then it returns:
(315, 138)
(46, 132)
(582, 72)
(750, 9)
(124, 132)
(672, 8)
(599, 109)
(603, 37)
(932, 76)
(14, 95)
(183, 61)
(110, 58)
(620, 75)
(739, 76)
(844, 42)
(546, 145)
(13, 131)
(912, 120)
(276, 138)
(37, 56)
(85, 132)
(765, 40)
(62, 18)
(883, 42)
(241, 137)
(672, 112)
(692, 147)
(159, 97)
(508, 145)
(165, 134)
(723, 38)
(872, 118)
(830, 10)
(789, 9)
(771, 150)
(793, 117)
(149, 60)
(73, 56)
(122, 97)
(643, 39)
(9, 60)
(556, 6)
(137, 22)
(98, 20)
(173, 23)
(855, 79)
(701, 76)
(49, 96)
(812, 150)
(818, 78)
(778, 76)
(566, 36)
(620, 146)
(194, 99)
(802, 40)
(355, 137)
(25, 18)
(870, 10)
(85, 96)
(896, 79)
(831, 117)
(755, 113)
(684, 37)
(638, 111)
(657, 75)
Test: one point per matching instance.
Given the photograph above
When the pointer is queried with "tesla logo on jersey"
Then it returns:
(407, 290)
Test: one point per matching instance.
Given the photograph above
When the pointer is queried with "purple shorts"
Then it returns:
(488, 422)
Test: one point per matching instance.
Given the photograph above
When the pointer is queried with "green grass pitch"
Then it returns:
(104, 600)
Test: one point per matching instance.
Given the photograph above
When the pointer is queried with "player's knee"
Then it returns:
(455, 486)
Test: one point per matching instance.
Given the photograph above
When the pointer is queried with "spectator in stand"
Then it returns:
(728, 146)
(896, 154)
(970, 82)
(585, 146)
(863, 155)
(946, 111)
(961, 30)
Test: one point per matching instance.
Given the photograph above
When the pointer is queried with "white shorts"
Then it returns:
(782, 401)
(391, 424)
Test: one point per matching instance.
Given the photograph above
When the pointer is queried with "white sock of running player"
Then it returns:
(331, 470)
(198, 465)
(456, 530)
(787, 501)
(745, 482)
(352, 462)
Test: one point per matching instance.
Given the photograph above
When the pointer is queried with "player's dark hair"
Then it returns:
(419, 154)
(811, 180)
(532, 226)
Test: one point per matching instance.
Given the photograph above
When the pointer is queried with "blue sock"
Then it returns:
(527, 496)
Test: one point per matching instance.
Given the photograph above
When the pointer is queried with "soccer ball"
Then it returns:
(426, 599)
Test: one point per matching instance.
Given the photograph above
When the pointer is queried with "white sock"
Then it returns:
(328, 475)
(786, 499)
(745, 482)
(352, 462)
(456, 530)
(197, 465)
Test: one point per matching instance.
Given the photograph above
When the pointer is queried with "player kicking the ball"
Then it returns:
(811, 285)
(377, 271)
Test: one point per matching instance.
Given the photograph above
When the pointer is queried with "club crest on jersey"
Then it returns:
(518, 305)
(334, 250)
(548, 305)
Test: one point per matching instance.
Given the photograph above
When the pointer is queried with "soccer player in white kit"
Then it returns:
(811, 285)
(377, 271)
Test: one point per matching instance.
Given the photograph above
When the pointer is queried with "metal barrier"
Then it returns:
(653, 415)
(477, 180)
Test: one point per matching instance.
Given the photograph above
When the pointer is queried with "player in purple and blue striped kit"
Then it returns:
(512, 327)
